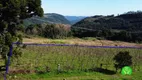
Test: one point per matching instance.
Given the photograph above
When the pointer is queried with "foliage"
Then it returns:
(124, 27)
(48, 18)
(123, 59)
(56, 18)
(12, 12)
(54, 31)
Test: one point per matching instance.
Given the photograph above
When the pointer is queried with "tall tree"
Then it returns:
(12, 12)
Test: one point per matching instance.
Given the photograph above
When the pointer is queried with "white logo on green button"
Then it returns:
(126, 70)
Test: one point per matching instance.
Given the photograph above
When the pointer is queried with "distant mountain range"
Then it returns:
(53, 18)
(74, 19)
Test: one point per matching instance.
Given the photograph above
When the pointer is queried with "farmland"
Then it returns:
(71, 63)
(70, 40)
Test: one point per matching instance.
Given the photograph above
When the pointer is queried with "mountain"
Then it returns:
(74, 19)
(125, 27)
(128, 21)
(48, 18)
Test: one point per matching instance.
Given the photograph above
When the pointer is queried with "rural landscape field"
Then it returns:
(70, 40)
(58, 63)
(72, 62)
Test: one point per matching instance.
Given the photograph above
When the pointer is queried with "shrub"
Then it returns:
(122, 59)
(56, 31)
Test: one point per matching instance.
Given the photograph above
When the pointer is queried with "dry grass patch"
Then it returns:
(79, 41)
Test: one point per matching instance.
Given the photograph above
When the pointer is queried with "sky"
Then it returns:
(90, 7)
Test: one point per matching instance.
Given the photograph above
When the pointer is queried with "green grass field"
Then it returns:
(70, 63)
(77, 76)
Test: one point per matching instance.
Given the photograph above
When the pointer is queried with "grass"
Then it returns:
(71, 63)
(83, 41)
(57, 41)
(90, 38)
(76, 76)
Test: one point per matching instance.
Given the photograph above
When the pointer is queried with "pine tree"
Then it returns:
(12, 13)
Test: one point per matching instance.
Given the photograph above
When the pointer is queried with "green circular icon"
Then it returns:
(126, 70)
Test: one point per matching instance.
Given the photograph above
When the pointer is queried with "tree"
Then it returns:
(56, 31)
(122, 59)
(12, 13)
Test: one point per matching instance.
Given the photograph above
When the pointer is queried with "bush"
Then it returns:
(122, 59)
(56, 31)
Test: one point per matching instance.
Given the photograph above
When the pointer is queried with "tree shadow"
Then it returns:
(104, 71)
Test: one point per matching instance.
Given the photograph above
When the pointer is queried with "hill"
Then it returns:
(123, 27)
(48, 18)
(74, 19)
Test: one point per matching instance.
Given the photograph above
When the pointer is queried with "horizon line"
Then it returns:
(91, 15)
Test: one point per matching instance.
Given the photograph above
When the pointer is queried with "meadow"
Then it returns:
(71, 63)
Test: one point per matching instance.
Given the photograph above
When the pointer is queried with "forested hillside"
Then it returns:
(48, 18)
(125, 27)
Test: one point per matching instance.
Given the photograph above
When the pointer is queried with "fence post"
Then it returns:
(8, 61)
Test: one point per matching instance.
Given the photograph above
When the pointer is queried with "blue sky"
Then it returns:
(90, 7)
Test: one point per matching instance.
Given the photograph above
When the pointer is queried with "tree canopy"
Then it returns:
(12, 12)
(124, 27)
(122, 59)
